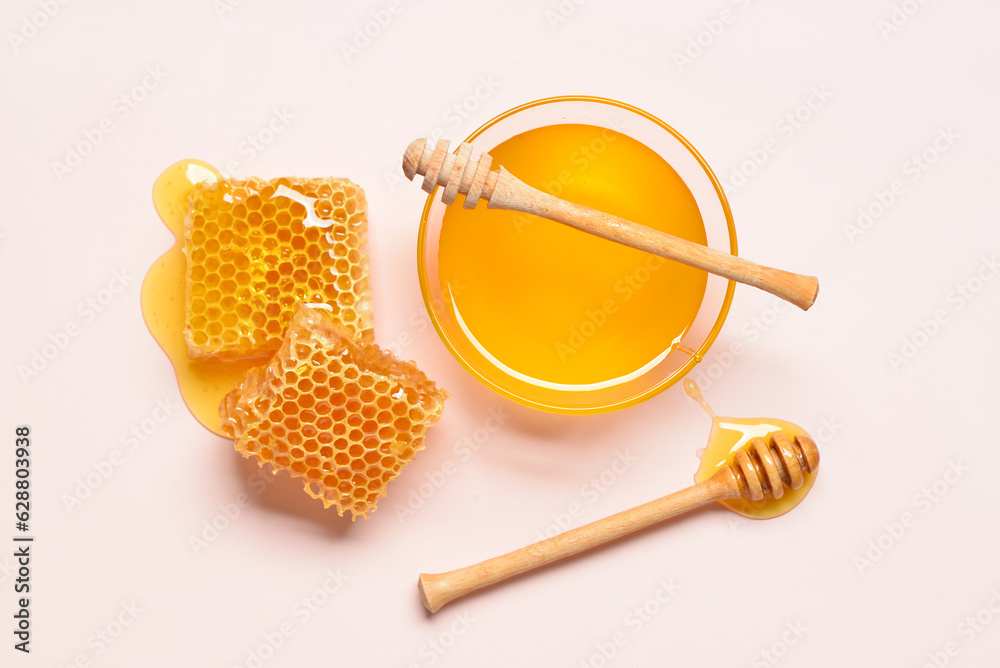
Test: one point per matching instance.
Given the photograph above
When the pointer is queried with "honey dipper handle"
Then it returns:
(513, 194)
(437, 590)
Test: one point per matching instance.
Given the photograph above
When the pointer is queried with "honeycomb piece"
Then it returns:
(256, 248)
(343, 416)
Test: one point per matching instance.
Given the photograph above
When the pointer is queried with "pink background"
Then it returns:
(883, 564)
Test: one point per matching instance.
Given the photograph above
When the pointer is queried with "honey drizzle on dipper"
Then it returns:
(730, 435)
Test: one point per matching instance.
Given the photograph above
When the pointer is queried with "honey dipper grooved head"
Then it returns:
(456, 172)
(765, 470)
(411, 157)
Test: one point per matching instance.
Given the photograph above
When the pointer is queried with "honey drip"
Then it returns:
(202, 383)
(730, 434)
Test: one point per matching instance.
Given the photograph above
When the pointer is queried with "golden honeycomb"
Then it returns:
(254, 250)
(343, 416)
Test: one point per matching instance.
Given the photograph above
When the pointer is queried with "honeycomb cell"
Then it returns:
(274, 421)
(274, 238)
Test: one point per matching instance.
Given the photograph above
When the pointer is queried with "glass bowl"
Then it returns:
(661, 371)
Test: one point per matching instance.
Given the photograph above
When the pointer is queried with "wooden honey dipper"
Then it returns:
(759, 471)
(502, 190)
